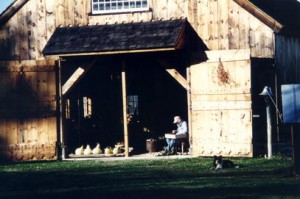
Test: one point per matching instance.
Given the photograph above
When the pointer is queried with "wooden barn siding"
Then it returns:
(221, 111)
(222, 24)
(28, 109)
(288, 59)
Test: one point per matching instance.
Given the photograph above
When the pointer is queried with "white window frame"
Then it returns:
(87, 107)
(121, 6)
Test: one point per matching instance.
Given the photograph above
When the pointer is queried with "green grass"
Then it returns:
(170, 178)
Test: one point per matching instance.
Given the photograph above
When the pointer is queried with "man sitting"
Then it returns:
(181, 129)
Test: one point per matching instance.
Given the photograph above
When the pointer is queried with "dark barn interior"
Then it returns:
(153, 98)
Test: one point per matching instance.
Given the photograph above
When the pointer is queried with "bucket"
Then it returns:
(151, 145)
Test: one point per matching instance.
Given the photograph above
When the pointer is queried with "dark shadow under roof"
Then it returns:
(117, 38)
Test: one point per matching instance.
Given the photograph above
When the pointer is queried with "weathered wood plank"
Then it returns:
(41, 28)
(223, 25)
(213, 28)
(203, 24)
(32, 17)
(233, 24)
(221, 112)
(50, 18)
(228, 55)
(60, 13)
(244, 20)
(23, 33)
(69, 12)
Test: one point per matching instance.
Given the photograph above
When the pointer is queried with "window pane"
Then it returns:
(145, 4)
(132, 5)
(120, 6)
(101, 6)
(133, 104)
(126, 5)
(95, 7)
(107, 6)
(68, 109)
(113, 6)
(87, 107)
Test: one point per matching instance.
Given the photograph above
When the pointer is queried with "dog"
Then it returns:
(220, 163)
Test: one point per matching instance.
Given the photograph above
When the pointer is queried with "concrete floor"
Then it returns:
(148, 156)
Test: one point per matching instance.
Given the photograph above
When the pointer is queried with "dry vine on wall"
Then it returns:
(223, 75)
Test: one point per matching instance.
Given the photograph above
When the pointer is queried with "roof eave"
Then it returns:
(11, 11)
(110, 52)
(261, 15)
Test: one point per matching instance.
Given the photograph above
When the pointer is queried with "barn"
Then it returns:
(82, 72)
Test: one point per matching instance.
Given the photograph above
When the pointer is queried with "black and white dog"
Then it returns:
(219, 163)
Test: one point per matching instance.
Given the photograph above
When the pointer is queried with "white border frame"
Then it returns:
(129, 10)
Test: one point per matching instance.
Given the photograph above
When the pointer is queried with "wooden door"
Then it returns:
(221, 119)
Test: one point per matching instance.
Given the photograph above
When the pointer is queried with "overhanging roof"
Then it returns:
(283, 16)
(121, 38)
(286, 12)
(11, 10)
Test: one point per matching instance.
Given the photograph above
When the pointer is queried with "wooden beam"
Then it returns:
(71, 81)
(175, 74)
(113, 52)
(76, 76)
(11, 11)
(178, 77)
(124, 97)
(261, 15)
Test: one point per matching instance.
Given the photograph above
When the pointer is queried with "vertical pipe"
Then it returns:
(61, 137)
(124, 97)
(189, 105)
(79, 114)
(269, 130)
(293, 148)
(296, 148)
(277, 116)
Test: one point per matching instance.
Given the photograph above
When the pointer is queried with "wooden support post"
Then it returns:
(124, 96)
(189, 101)
(61, 147)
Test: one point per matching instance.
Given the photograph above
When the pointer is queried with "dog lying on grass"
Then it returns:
(220, 163)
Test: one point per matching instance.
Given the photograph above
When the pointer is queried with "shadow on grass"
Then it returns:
(278, 191)
(147, 183)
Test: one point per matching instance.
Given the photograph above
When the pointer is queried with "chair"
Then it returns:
(181, 145)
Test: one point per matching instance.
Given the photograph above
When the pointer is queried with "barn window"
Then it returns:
(132, 104)
(87, 107)
(117, 6)
(68, 109)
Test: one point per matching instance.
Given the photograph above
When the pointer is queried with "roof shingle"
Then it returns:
(116, 37)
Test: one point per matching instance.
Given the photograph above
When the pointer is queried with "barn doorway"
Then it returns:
(93, 106)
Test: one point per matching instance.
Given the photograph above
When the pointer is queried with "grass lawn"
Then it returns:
(155, 179)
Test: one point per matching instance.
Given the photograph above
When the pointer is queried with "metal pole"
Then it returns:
(269, 128)
(61, 137)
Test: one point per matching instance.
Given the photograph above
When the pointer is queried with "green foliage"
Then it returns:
(167, 178)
